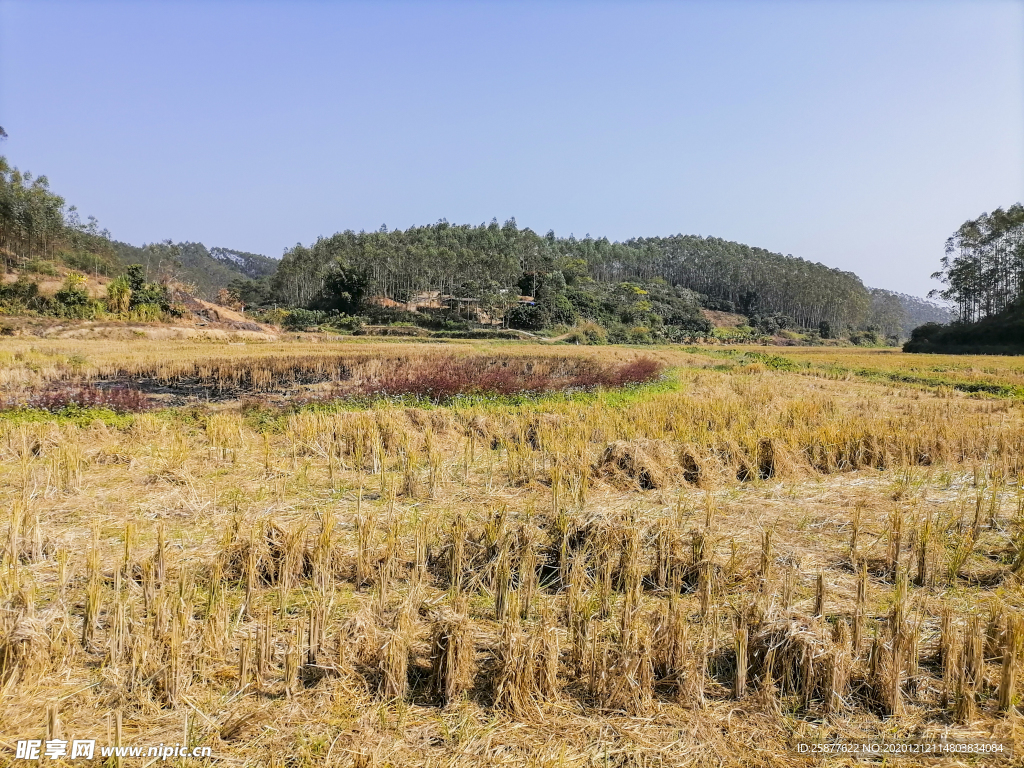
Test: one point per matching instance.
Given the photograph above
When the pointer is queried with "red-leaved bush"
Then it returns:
(437, 378)
(441, 378)
(58, 397)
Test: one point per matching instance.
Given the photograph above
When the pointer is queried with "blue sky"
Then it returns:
(857, 134)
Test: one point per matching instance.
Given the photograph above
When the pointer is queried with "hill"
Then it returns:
(920, 311)
(41, 235)
(639, 288)
(897, 314)
(209, 269)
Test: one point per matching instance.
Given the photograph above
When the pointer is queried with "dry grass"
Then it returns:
(703, 575)
(953, 369)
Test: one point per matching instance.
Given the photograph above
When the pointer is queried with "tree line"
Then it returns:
(983, 275)
(37, 223)
(983, 269)
(653, 286)
(493, 263)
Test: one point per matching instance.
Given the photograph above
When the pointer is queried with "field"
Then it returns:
(997, 375)
(527, 555)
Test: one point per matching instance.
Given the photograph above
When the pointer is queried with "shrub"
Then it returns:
(865, 338)
(719, 305)
(926, 332)
(527, 317)
(378, 315)
(1002, 333)
(297, 319)
(143, 292)
(40, 267)
(275, 316)
(587, 333)
(348, 323)
(639, 334)
(145, 313)
(61, 397)
(72, 300)
(440, 379)
(22, 296)
(477, 334)
(440, 319)
(743, 334)
(119, 295)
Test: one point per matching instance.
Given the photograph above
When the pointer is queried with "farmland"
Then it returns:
(582, 556)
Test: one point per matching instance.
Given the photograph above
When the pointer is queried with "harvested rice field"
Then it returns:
(523, 555)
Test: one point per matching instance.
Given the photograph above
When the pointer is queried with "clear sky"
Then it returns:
(858, 134)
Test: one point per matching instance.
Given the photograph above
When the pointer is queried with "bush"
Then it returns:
(527, 317)
(743, 334)
(1000, 334)
(439, 319)
(587, 333)
(275, 316)
(297, 319)
(478, 334)
(675, 334)
(22, 296)
(40, 268)
(772, 323)
(865, 338)
(378, 315)
(926, 332)
(346, 323)
(91, 262)
(119, 295)
(146, 313)
(639, 334)
(718, 305)
(72, 300)
(143, 292)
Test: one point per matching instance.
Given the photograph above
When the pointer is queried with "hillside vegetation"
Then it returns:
(998, 334)
(644, 289)
(571, 278)
(37, 227)
(42, 237)
(209, 270)
(450, 279)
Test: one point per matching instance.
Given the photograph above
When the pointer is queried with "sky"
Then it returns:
(857, 134)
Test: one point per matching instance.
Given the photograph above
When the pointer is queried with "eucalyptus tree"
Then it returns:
(460, 259)
(983, 269)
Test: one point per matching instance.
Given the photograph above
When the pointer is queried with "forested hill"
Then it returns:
(892, 310)
(209, 269)
(657, 285)
(754, 280)
(41, 234)
(491, 261)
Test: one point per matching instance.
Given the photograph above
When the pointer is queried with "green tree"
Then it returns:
(983, 269)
